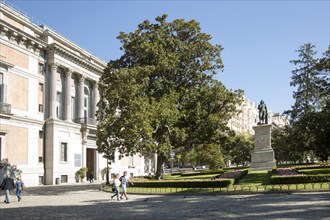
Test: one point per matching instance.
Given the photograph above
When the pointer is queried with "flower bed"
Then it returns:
(287, 172)
(236, 175)
(183, 183)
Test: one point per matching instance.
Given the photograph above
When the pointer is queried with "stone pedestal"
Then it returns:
(262, 157)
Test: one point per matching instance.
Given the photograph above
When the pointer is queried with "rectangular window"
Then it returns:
(73, 108)
(41, 108)
(41, 97)
(41, 68)
(64, 152)
(41, 180)
(77, 160)
(3, 89)
(40, 147)
(64, 178)
(59, 105)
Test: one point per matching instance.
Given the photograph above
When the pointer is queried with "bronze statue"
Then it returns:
(263, 113)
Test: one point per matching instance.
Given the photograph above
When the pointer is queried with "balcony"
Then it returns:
(5, 108)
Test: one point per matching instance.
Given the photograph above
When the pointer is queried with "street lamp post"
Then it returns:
(107, 177)
(172, 158)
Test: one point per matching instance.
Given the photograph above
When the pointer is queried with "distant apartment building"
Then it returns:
(245, 119)
(248, 117)
(48, 97)
(280, 120)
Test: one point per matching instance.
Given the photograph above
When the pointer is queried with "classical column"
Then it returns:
(52, 95)
(67, 104)
(95, 99)
(81, 81)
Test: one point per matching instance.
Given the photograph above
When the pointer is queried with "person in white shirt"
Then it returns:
(124, 179)
(116, 184)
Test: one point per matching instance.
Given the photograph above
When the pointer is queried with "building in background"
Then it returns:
(245, 119)
(48, 97)
(248, 117)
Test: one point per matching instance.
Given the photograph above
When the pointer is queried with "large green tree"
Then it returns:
(160, 95)
(309, 130)
(238, 147)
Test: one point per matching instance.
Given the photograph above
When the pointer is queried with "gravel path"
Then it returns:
(86, 201)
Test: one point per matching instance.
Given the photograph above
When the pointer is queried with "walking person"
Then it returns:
(91, 177)
(19, 188)
(124, 179)
(7, 184)
(116, 184)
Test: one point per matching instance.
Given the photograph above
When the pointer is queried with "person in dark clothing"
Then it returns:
(91, 177)
(7, 184)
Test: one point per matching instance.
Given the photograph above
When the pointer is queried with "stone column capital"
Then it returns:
(81, 78)
(68, 72)
(95, 85)
(53, 65)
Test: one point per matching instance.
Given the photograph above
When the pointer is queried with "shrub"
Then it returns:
(82, 172)
(299, 179)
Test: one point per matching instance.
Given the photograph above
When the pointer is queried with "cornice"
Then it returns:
(20, 38)
(28, 121)
(70, 56)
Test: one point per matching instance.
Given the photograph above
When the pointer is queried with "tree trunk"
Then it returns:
(160, 160)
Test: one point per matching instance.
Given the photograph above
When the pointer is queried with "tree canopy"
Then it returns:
(161, 95)
(309, 132)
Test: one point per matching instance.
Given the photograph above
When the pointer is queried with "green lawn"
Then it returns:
(255, 178)
(315, 171)
(255, 181)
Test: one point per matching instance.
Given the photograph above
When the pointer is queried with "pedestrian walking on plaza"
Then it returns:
(116, 184)
(7, 185)
(124, 179)
(91, 177)
(19, 188)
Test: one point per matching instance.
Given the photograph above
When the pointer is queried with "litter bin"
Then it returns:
(57, 181)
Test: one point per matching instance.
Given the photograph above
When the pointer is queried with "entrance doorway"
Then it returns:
(90, 161)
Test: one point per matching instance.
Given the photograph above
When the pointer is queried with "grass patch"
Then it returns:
(315, 171)
(256, 178)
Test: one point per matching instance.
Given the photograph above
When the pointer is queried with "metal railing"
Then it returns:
(235, 189)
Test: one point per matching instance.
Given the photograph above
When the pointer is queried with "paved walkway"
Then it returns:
(86, 201)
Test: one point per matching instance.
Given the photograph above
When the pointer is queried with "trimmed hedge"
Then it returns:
(185, 183)
(312, 167)
(299, 179)
(304, 165)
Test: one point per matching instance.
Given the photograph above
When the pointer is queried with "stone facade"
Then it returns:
(48, 97)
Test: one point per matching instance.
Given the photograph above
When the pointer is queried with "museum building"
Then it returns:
(48, 100)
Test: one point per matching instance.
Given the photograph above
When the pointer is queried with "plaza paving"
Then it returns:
(86, 201)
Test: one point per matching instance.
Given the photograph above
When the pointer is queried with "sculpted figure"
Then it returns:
(263, 113)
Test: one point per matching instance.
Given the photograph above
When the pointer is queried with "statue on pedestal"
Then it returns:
(263, 113)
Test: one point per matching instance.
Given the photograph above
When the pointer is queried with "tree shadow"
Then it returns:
(7, 169)
(276, 206)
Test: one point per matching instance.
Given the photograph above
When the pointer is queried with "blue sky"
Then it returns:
(259, 37)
